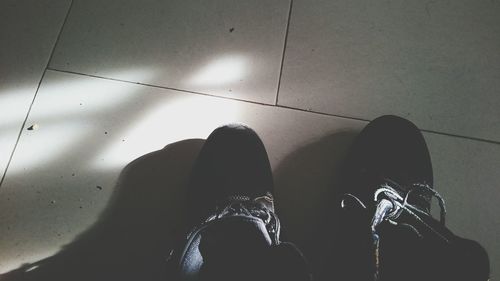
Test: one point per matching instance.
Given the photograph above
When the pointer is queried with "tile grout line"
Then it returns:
(264, 104)
(462, 137)
(283, 54)
(59, 35)
(21, 130)
(367, 120)
(323, 113)
(35, 95)
(158, 87)
(205, 94)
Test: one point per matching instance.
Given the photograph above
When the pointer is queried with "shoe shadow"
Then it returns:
(132, 238)
(307, 194)
(146, 215)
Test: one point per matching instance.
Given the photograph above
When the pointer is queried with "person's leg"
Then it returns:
(388, 183)
(235, 230)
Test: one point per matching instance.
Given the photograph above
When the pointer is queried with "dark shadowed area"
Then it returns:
(307, 191)
(131, 240)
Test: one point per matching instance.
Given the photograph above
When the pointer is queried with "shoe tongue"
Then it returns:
(266, 201)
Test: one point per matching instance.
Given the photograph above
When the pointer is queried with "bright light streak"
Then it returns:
(13, 106)
(49, 142)
(63, 109)
(171, 121)
(221, 71)
(67, 96)
(17, 260)
(70, 96)
(31, 268)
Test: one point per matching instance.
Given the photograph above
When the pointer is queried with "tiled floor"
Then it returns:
(109, 84)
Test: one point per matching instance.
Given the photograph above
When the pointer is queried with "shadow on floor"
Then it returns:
(307, 194)
(132, 239)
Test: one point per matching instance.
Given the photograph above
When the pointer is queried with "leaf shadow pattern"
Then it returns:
(132, 238)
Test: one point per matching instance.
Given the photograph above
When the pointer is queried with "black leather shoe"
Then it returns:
(235, 231)
(388, 185)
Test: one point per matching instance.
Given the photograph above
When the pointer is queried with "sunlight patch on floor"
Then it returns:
(170, 121)
(221, 71)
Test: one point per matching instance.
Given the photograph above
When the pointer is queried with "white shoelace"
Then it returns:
(390, 205)
(260, 207)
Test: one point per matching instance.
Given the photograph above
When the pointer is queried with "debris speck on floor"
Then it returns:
(33, 127)
(99, 187)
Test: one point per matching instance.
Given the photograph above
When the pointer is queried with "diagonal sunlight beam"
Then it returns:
(70, 106)
(176, 117)
(221, 71)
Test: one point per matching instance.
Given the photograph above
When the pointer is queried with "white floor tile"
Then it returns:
(63, 175)
(61, 199)
(436, 62)
(224, 48)
(28, 34)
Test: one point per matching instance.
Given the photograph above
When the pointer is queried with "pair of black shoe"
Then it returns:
(386, 232)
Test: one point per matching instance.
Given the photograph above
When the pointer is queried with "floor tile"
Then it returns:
(28, 34)
(223, 48)
(436, 62)
(67, 201)
(466, 174)
(95, 192)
